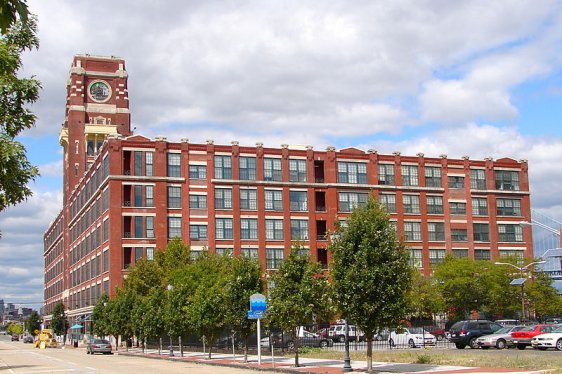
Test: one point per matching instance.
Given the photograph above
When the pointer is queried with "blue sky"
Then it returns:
(473, 78)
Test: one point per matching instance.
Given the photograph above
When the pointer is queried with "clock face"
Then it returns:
(99, 91)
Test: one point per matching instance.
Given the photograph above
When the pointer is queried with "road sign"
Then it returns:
(258, 303)
(255, 314)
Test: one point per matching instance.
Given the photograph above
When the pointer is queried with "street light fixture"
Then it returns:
(521, 281)
(170, 288)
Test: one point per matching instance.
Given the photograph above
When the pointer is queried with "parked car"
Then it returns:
(337, 333)
(411, 336)
(551, 339)
(308, 339)
(28, 339)
(500, 339)
(466, 333)
(382, 335)
(438, 332)
(522, 338)
(99, 346)
(15, 338)
(507, 322)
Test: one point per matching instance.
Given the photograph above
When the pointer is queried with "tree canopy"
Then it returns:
(370, 272)
(15, 95)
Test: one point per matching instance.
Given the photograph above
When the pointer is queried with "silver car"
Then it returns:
(99, 346)
(500, 339)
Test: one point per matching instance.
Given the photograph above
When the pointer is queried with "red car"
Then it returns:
(439, 333)
(522, 338)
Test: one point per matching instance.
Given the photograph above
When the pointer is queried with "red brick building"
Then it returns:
(127, 195)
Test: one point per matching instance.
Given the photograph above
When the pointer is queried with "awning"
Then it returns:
(77, 326)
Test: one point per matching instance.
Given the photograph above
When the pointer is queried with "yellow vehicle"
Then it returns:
(46, 339)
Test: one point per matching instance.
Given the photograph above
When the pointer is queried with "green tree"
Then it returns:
(10, 11)
(243, 280)
(300, 291)
(464, 284)
(33, 323)
(100, 317)
(14, 328)
(503, 300)
(543, 298)
(425, 299)
(176, 256)
(370, 272)
(15, 94)
(59, 323)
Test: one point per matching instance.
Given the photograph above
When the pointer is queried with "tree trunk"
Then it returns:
(246, 339)
(370, 353)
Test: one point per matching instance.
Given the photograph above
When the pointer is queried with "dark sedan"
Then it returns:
(99, 346)
(308, 339)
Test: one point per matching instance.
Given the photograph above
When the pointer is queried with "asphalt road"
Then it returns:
(18, 357)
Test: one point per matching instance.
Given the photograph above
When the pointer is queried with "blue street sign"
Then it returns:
(258, 303)
(255, 314)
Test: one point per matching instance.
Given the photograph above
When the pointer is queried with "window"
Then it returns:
(249, 252)
(351, 200)
(106, 199)
(388, 201)
(459, 235)
(298, 201)
(224, 251)
(150, 254)
(106, 230)
(409, 175)
(137, 163)
(456, 181)
(297, 170)
(274, 229)
(150, 227)
(436, 231)
(273, 200)
(481, 254)
(223, 167)
(248, 199)
(223, 228)
(138, 227)
(105, 260)
(223, 198)
(433, 176)
(512, 253)
(479, 206)
(247, 168)
(198, 201)
(460, 252)
(477, 179)
(174, 165)
(412, 231)
(416, 258)
(197, 172)
(274, 257)
(249, 228)
(174, 197)
(138, 253)
(481, 232)
(507, 180)
(386, 174)
(436, 256)
(510, 233)
(352, 172)
(148, 163)
(411, 204)
(434, 204)
(198, 232)
(508, 207)
(149, 196)
(272, 169)
(457, 208)
(299, 229)
(174, 227)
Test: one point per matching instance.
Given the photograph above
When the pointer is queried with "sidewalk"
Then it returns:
(315, 366)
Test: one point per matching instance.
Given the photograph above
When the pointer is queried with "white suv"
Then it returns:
(337, 333)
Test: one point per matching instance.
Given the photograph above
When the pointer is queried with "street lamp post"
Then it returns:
(522, 279)
(170, 288)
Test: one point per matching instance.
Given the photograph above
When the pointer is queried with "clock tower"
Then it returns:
(97, 105)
